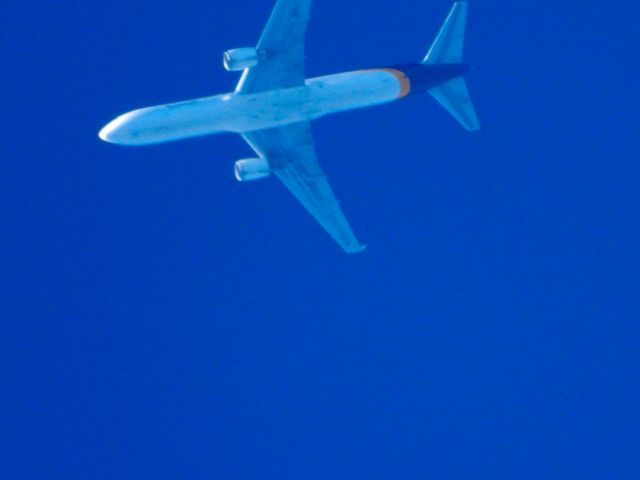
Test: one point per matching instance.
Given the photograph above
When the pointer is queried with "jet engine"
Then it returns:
(240, 58)
(252, 169)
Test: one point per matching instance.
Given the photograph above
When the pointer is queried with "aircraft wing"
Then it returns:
(292, 158)
(281, 48)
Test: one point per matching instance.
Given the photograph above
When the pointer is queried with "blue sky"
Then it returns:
(161, 320)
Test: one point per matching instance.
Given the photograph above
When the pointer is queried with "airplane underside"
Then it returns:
(273, 105)
(244, 113)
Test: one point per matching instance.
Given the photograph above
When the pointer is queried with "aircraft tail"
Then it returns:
(447, 48)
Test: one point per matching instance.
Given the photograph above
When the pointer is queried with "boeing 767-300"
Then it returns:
(273, 105)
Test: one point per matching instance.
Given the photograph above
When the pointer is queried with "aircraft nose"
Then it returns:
(119, 130)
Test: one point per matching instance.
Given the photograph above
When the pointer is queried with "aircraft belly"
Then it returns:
(269, 109)
(169, 122)
(352, 90)
(321, 96)
(244, 113)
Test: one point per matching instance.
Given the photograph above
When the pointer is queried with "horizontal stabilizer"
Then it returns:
(454, 96)
(449, 44)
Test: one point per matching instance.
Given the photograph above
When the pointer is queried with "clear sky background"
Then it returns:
(161, 320)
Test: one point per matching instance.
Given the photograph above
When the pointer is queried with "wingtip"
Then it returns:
(356, 249)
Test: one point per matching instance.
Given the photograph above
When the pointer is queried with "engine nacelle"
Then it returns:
(252, 169)
(240, 58)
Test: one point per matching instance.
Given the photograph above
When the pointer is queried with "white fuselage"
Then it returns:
(244, 113)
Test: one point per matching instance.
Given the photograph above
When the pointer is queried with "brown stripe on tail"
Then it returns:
(403, 79)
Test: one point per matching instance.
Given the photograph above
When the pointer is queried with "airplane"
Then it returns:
(273, 105)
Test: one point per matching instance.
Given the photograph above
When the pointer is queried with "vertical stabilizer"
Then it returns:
(449, 44)
(448, 48)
